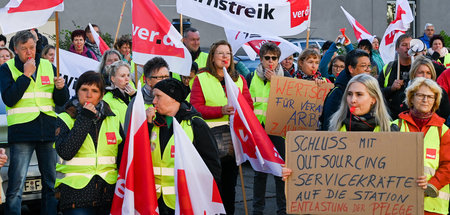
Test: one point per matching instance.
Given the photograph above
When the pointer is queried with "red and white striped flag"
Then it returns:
(403, 17)
(360, 32)
(250, 140)
(154, 36)
(196, 189)
(135, 188)
(20, 15)
(101, 44)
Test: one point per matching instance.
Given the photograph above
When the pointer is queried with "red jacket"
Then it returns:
(213, 112)
(444, 81)
(442, 175)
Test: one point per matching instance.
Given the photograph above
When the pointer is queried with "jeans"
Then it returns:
(260, 180)
(19, 159)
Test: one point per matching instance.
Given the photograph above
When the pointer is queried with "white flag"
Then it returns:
(238, 39)
(196, 190)
(267, 17)
(72, 65)
(403, 17)
(20, 15)
(360, 32)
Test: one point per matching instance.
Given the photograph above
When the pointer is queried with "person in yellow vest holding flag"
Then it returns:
(170, 102)
(423, 97)
(259, 85)
(88, 142)
(30, 90)
(209, 98)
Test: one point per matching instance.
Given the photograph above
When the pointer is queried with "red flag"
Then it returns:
(360, 32)
(250, 140)
(403, 17)
(20, 15)
(197, 192)
(135, 189)
(101, 44)
(154, 36)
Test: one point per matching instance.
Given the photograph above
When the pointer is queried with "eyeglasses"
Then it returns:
(338, 67)
(162, 77)
(227, 54)
(274, 58)
(365, 67)
(423, 96)
(5, 56)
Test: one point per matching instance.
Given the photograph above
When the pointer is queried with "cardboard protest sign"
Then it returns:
(354, 172)
(294, 104)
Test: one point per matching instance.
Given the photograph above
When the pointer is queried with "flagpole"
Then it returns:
(120, 21)
(181, 24)
(136, 79)
(398, 67)
(308, 30)
(243, 190)
(57, 43)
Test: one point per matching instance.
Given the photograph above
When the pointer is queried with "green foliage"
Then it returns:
(65, 41)
(446, 38)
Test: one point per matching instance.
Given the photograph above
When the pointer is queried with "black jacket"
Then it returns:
(69, 141)
(41, 129)
(333, 99)
(394, 99)
(204, 140)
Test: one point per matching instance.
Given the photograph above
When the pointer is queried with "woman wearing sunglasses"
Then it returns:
(259, 85)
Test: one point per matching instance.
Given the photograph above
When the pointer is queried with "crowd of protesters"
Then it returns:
(79, 149)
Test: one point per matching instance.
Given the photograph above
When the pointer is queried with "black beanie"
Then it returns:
(173, 88)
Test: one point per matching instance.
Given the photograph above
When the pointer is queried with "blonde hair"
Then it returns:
(381, 114)
(11, 54)
(416, 84)
(418, 61)
(308, 53)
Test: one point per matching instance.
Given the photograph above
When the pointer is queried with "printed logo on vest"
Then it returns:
(111, 138)
(45, 80)
(172, 151)
(431, 154)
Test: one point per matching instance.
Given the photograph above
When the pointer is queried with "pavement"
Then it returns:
(271, 206)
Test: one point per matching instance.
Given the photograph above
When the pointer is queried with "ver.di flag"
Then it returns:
(101, 44)
(249, 138)
(403, 17)
(196, 189)
(360, 32)
(72, 65)
(20, 15)
(135, 191)
(238, 39)
(265, 17)
(154, 36)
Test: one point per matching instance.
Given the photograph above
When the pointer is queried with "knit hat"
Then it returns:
(173, 88)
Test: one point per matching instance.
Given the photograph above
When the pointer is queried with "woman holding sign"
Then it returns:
(209, 98)
(423, 97)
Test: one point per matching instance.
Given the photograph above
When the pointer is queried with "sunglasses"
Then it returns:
(274, 58)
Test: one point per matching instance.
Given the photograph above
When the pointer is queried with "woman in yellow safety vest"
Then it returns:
(362, 107)
(209, 98)
(120, 92)
(423, 97)
(88, 142)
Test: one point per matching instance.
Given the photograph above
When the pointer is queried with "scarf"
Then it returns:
(260, 71)
(366, 122)
(301, 75)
